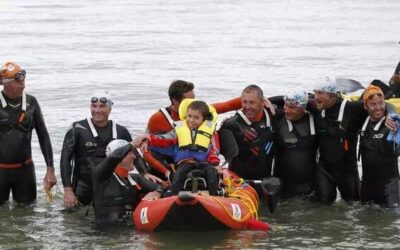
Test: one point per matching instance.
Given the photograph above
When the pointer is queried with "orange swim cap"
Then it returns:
(9, 70)
(371, 91)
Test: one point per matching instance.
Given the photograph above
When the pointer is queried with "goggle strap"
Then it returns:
(24, 101)
(3, 100)
(114, 130)
(94, 132)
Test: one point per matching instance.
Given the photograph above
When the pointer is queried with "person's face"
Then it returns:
(189, 94)
(127, 162)
(324, 100)
(100, 112)
(194, 118)
(293, 112)
(251, 104)
(375, 106)
(14, 88)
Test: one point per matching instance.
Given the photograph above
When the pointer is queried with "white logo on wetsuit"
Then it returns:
(377, 136)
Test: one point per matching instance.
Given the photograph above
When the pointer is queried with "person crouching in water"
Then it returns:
(196, 144)
(380, 179)
(116, 192)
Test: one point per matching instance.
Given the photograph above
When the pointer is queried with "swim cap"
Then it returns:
(115, 144)
(298, 98)
(102, 96)
(9, 70)
(371, 91)
(327, 85)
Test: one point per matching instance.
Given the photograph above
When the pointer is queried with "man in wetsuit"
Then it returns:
(380, 180)
(296, 146)
(164, 120)
(116, 192)
(84, 147)
(252, 129)
(337, 124)
(19, 114)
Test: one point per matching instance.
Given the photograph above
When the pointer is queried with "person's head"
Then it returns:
(12, 76)
(374, 102)
(127, 162)
(252, 101)
(197, 113)
(179, 90)
(295, 105)
(325, 94)
(100, 107)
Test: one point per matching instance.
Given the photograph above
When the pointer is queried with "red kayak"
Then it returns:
(199, 211)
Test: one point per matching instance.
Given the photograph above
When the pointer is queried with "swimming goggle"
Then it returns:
(101, 100)
(18, 76)
(380, 95)
(292, 102)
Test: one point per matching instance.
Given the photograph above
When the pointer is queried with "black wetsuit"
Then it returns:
(295, 158)
(254, 160)
(113, 195)
(380, 180)
(15, 148)
(337, 166)
(81, 152)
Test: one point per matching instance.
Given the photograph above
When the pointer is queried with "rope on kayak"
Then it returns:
(235, 191)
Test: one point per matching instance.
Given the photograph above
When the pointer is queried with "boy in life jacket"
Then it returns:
(196, 144)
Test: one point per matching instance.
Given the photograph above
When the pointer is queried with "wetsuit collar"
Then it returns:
(248, 122)
(94, 131)
(4, 102)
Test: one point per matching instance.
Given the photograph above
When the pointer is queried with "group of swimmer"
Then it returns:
(306, 141)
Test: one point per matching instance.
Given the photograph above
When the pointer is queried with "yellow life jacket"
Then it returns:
(201, 140)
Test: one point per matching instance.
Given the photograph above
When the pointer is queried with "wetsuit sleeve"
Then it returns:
(105, 169)
(163, 140)
(123, 133)
(146, 185)
(157, 123)
(357, 115)
(231, 105)
(67, 153)
(43, 135)
(277, 100)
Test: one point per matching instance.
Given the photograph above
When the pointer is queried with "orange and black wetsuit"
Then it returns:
(115, 193)
(17, 172)
(159, 123)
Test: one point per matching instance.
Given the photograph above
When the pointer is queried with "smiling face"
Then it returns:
(252, 104)
(14, 88)
(100, 113)
(324, 100)
(293, 112)
(376, 107)
(194, 118)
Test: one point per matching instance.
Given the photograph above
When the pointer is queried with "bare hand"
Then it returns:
(50, 178)
(69, 197)
(140, 140)
(153, 178)
(269, 106)
(152, 196)
(390, 124)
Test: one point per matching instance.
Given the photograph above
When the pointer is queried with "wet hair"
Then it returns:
(203, 108)
(255, 88)
(178, 88)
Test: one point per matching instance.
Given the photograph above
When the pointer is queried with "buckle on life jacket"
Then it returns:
(15, 165)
